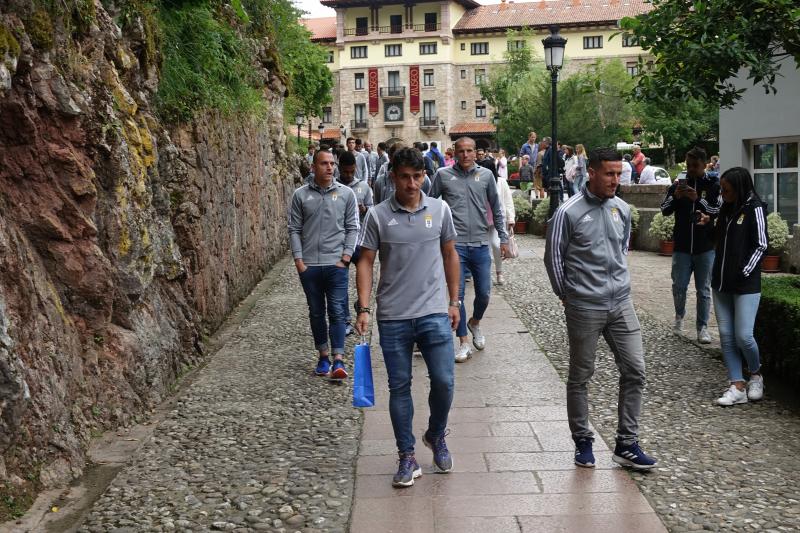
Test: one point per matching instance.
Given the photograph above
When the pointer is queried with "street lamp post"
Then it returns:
(554, 45)
(496, 122)
(321, 129)
(298, 119)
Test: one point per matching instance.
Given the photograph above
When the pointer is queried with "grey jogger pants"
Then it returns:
(621, 330)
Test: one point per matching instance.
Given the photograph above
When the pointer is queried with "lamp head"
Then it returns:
(554, 45)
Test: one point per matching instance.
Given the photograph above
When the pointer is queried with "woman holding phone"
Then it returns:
(741, 241)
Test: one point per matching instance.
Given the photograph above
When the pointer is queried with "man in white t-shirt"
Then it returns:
(627, 170)
(648, 175)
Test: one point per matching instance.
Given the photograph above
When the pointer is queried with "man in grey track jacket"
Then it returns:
(323, 227)
(586, 260)
(471, 192)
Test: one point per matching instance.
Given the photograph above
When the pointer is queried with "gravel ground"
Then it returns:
(256, 442)
(731, 469)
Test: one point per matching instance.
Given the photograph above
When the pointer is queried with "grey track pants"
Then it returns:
(621, 330)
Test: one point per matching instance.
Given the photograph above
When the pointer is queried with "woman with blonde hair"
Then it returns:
(580, 167)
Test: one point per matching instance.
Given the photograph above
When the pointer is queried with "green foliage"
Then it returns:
(777, 338)
(662, 227)
(778, 231)
(700, 46)
(8, 43)
(522, 208)
(207, 65)
(635, 216)
(131, 13)
(40, 29)
(541, 211)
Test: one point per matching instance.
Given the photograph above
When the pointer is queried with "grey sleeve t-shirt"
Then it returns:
(412, 281)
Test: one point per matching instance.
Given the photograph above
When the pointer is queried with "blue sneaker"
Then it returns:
(338, 372)
(583, 453)
(323, 366)
(407, 471)
(441, 455)
(633, 457)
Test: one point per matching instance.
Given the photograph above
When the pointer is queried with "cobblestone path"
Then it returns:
(735, 469)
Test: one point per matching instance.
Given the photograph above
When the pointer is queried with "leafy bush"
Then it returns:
(777, 326)
(635, 216)
(662, 227)
(778, 231)
(541, 211)
(522, 207)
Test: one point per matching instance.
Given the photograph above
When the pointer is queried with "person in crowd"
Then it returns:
(637, 161)
(581, 174)
(593, 284)
(486, 161)
(540, 180)
(507, 205)
(372, 162)
(741, 242)
(525, 170)
(570, 168)
(323, 227)
(383, 158)
(449, 160)
(712, 168)
(530, 148)
(310, 155)
(648, 174)
(383, 188)
(435, 155)
(417, 303)
(694, 244)
(627, 170)
(470, 190)
(502, 164)
(548, 173)
(362, 168)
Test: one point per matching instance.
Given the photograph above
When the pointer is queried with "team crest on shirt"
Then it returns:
(428, 221)
(703, 195)
(334, 197)
(615, 214)
(741, 219)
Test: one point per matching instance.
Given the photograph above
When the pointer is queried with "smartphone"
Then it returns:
(681, 182)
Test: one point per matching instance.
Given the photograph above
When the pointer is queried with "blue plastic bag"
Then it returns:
(363, 388)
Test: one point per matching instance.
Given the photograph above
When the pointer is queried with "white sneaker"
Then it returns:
(677, 327)
(755, 388)
(464, 352)
(477, 336)
(501, 280)
(732, 396)
(703, 336)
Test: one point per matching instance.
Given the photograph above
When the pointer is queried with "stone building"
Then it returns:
(412, 70)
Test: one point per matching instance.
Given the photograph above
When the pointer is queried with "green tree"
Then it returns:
(700, 45)
(678, 126)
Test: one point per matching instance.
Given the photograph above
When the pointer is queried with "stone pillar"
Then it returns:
(340, 27)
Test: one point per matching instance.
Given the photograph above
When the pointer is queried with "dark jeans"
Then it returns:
(326, 284)
(478, 261)
(435, 340)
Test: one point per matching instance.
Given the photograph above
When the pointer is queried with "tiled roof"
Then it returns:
(464, 128)
(353, 3)
(548, 12)
(321, 28)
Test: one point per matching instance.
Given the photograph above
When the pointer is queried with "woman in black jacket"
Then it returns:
(741, 241)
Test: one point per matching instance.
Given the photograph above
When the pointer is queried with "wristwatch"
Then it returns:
(455, 303)
(360, 309)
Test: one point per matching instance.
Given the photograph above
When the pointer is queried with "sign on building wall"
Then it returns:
(393, 112)
(413, 81)
(373, 91)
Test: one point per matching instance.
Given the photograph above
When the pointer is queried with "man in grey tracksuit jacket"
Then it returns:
(323, 227)
(586, 260)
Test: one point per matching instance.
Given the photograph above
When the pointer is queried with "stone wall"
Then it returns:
(122, 241)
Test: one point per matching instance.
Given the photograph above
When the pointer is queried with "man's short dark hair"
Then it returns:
(350, 139)
(434, 145)
(347, 159)
(424, 146)
(698, 154)
(598, 155)
(382, 146)
(316, 155)
(358, 141)
(408, 157)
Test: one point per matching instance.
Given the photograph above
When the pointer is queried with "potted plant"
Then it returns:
(522, 207)
(778, 231)
(634, 225)
(661, 228)
(540, 214)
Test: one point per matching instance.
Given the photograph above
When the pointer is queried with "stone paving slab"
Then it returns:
(513, 454)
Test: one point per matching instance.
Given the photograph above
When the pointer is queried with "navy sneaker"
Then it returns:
(323, 366)
(338, 372)
(407, 471)
(633, 457)
(441, 455)
(583, 453)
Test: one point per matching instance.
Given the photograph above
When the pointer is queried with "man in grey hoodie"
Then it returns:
(323, 227)
(586, 260)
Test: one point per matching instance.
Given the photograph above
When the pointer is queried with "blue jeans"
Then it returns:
(435, 340)
(682, 266)
(326, 284)
(736, 315)
(478, 261)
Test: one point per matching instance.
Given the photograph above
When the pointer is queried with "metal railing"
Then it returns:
(359, 124)
(393, 28)
(393, 92)
(428, 123)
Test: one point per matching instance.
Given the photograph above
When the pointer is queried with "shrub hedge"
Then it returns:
(777, 328)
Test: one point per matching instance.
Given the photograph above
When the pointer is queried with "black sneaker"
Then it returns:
(407, 471)
(583, 453)
(441, 455)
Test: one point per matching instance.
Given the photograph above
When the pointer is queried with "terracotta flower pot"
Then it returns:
(666, 247)
(521, 226)
(771, 263)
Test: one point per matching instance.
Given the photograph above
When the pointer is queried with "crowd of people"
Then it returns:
(436, 219)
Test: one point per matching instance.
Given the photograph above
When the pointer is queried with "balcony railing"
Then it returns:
(393, 92)
(393, 28)
(359, 124)
(428, 123)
